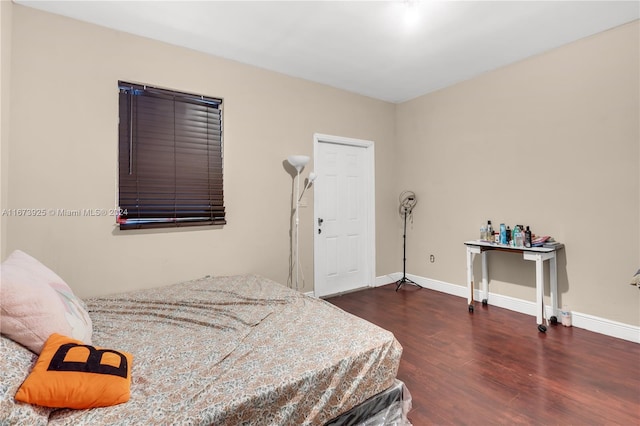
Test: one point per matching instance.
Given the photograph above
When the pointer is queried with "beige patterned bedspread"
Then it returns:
(237, 350)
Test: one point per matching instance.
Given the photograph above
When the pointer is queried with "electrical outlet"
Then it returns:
(432, 258)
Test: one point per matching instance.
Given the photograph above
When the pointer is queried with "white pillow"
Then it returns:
(35, 303)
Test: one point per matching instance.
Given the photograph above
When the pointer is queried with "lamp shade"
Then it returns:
(298, 161)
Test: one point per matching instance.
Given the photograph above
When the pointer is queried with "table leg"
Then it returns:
(470, 256)
(485, 279)
(539, 289)
(553, 284)
(539, 259)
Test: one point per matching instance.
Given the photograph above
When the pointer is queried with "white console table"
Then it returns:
(537, 254)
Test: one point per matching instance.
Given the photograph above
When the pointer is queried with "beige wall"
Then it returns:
(5, 97)
(64, 155)
(551, 142)
(569, 116)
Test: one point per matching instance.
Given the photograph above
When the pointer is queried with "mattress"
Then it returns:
(237, 350)
(388, 408)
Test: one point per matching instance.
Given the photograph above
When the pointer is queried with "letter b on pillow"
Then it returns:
(70, 374)
(87, 359)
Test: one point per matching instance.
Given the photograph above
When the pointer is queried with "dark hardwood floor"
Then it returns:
(494, 367)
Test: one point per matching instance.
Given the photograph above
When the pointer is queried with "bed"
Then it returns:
(230, 351)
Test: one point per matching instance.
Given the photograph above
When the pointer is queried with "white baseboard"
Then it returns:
(386, 279)
(578, 319)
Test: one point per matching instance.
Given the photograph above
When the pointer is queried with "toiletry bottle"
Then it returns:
(483, 233)
(508, 234)
(527, 237)
(489, 231)
(503, 234)
(519, 237)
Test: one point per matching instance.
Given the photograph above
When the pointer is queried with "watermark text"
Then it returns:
(60, 212)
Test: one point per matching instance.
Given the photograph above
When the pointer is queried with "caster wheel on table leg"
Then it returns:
(471, 308)
(542, 328)
(485, 302)
(553, 320)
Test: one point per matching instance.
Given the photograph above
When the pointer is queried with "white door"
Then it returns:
(344, 242)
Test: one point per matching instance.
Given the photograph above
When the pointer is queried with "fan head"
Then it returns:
(408, 201)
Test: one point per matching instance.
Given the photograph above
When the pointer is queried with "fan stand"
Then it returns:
(404, 279)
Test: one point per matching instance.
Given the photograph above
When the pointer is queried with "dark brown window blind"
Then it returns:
(170, 158)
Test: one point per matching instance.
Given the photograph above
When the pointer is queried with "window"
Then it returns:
(170, 158)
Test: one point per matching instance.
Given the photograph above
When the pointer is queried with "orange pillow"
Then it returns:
(70, 374)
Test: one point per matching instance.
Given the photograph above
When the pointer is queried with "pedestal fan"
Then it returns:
(408, 202)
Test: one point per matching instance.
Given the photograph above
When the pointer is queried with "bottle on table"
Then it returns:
(527, 237)
(503, 234)
(518, 236)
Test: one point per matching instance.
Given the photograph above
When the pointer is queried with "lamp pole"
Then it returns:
(297, 161)
(297, 224)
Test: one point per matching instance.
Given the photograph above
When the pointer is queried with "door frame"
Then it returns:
(370, 232)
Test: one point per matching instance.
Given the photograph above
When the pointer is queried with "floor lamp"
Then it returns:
(299, 161)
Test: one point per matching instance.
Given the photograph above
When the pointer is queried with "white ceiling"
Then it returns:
(389, 50)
